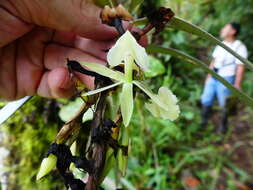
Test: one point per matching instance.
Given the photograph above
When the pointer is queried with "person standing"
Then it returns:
(228, 67)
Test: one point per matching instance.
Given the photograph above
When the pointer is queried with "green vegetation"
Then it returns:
(163, 154)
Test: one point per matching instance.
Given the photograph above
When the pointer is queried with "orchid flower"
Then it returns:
(131, 55)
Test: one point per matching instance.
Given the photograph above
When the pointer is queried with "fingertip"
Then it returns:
(60, 83)
(87, 80)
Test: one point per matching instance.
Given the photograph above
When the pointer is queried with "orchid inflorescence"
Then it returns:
(133, 62)
(129, 54)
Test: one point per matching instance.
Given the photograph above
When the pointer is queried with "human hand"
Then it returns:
(207, 77)
(237, 85)
(37, 36)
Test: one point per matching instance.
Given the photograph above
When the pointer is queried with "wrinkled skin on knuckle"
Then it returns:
(7, 73)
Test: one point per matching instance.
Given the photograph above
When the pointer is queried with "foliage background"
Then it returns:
(164, 155)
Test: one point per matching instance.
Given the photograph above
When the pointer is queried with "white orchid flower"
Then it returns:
(167, 98)
(128, 52)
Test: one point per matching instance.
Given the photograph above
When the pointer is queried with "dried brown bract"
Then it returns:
(160, 17)
(108, 14)
(157, 19)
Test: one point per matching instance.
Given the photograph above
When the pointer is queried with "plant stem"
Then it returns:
(99, 149)
(73, 125)
(117, 23)
(111, 3)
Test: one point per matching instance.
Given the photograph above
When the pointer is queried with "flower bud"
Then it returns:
(46, 166)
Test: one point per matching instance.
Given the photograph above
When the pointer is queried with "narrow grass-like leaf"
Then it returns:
(92, 92)
(102, 3)
(188, 156)
(140, 21)
(127, 184)
(156, 49)
(105, 71)
(134, 5)
(181, 24)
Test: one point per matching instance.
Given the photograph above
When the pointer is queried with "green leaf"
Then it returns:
(127, 104)
(88, 115)
(155, 67)
(156, 49)
(92, 92)
(127, 184)
(102, 3)
(134, 5)
(68, 111)
(180, 24)
(140, 22)
(104, 71)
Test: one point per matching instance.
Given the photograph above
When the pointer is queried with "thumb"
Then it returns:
(81, 17)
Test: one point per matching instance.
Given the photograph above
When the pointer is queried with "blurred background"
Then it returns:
(164, 155)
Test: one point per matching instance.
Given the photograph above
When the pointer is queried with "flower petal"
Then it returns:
(166, 96)
(153, 96)
(141, 57)
(103, 70)
(127, 103)
(157, 111)
(153, 108)
(117, 53)
(92, 92)
(125, 45)
(168, 99)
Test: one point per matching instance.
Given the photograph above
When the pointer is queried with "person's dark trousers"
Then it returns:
(205, 115)
(214, 88)
(223, 126)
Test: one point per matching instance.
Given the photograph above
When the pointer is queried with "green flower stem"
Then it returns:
(140, 21)
(156, 49)
(129, 61)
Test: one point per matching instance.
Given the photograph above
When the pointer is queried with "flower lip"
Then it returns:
(169, 100)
